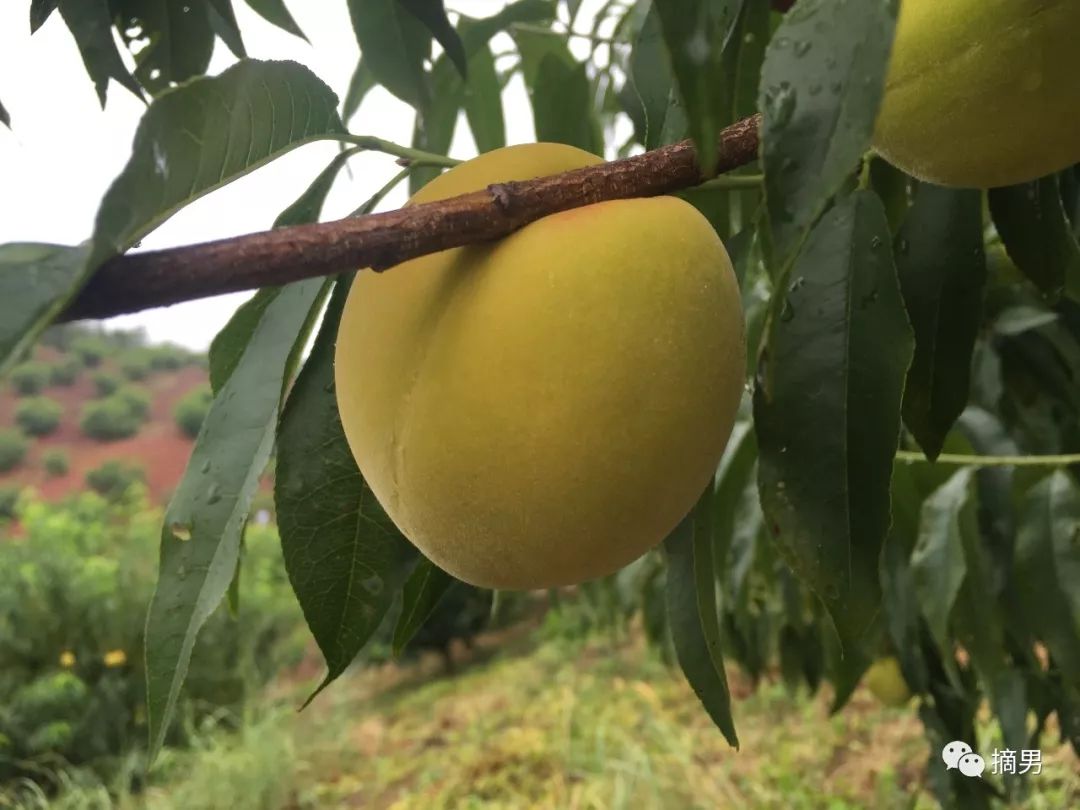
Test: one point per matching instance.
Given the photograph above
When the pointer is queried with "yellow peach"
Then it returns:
(982, 93)
(542, 410)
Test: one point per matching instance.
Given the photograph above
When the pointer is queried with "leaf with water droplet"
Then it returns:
(282, 104)
(843, 369)
(846, 48)
(195, 575)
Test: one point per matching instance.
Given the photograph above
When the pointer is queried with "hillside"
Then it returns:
(158, 445)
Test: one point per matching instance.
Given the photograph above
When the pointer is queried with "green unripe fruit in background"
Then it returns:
(983, 93)
(886, 682)
(542, 410)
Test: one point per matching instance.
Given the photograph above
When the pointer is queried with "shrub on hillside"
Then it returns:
(90, 350)
(114, 478)
(109, 419)
(135, 365)
(191, 410)
(82, 577)
(137, 399)
(106, 383)
(30, 378)
(65, 371)
(38, 416)
(13, 447)
(9, 498)
(169, 357)
(125, 339)
(55, 462)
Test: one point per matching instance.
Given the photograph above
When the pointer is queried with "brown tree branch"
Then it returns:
(139, 281)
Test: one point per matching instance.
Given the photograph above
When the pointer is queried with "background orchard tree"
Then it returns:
(900, 484)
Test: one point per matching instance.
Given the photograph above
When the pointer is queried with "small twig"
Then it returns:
(144, 280)
(414, 156)
(990, 461)
(734, 182)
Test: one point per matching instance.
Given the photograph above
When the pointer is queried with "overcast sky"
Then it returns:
(64, 150)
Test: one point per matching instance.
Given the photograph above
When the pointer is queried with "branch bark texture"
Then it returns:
(139, 281)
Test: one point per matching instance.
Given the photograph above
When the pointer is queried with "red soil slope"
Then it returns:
(159, 446)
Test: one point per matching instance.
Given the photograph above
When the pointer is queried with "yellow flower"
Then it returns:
(67, 659)
(115, 658)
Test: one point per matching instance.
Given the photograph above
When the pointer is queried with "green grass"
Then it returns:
(560, 725)
(256, 767)
(596, 727)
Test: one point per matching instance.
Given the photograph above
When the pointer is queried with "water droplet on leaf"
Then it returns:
(780, 104)
(787, 312)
